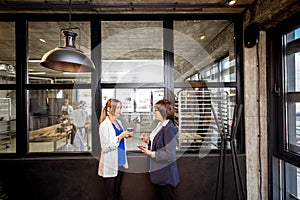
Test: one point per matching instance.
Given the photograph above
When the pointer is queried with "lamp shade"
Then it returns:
(67, 58)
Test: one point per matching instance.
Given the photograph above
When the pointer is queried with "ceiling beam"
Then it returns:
(87, 6)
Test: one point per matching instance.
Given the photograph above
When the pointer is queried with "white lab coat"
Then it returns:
(108, 164)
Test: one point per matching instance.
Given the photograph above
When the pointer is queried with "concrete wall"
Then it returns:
(255, 94)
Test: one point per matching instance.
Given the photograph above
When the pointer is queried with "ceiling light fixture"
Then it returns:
(232, 2)
(68, 58)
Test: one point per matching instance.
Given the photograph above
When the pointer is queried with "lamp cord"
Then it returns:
(70, 12)
(259, 124)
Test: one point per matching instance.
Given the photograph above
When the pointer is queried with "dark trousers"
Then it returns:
(112, 187)
(165, 192)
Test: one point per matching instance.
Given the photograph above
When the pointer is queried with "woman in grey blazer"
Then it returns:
(162, 151)
(113, 148)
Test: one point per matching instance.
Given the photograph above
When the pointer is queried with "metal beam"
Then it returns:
(86, 6)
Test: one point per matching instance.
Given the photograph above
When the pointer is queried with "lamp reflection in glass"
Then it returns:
(67, 58)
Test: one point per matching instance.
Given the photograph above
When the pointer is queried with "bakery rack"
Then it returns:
(194, 118)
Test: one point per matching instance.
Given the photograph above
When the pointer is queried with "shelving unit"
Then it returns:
(194, 118)
(5, 122)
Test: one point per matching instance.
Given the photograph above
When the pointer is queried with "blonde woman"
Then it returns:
(113, 148)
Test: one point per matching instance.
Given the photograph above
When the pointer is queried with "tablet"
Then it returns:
(130, 129)
(140, 146)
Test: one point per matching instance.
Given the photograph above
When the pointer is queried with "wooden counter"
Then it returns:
(49, 138)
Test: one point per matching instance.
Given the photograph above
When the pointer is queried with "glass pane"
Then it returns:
(292, 182)
(59, 120)
(137, 108)
(293, 72)
(7, 121)
(195, 120)
(7, 53)
(292, 62)
(41, 41)
(132, 52)
(292, 82)
(203, 52)
(293, 137)
(293, 35)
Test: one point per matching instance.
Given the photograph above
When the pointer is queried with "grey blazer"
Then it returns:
(163, 168)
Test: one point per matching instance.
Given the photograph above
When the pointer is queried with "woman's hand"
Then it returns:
(144, 138)
(127, 134)
(147, 152)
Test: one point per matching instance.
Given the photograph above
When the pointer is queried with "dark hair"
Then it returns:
(112, 104)
(166, 109)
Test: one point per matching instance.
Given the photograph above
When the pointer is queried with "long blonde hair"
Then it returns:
(112, 104)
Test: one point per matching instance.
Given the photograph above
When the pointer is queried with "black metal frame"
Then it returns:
(275, 96)
(21, 85)
(277, 108)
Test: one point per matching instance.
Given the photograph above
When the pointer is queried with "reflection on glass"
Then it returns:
(7, 53)
(7, 121)
(292, 182)
(137, 109)
(193, 113)
(293, 71)
(41, 41)
(59, 120)
(223, 71)
(292, 61)
(132, 52)
(292, 82)
(293, 35)
(293, 137)
(202, 52)
(195, 120)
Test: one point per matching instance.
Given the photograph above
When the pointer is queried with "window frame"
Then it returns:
(277, 106)
(21, 86)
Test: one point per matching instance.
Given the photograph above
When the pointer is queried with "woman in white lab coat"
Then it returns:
(113, 148)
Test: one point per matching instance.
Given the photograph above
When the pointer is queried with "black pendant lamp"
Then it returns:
(68, 58)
